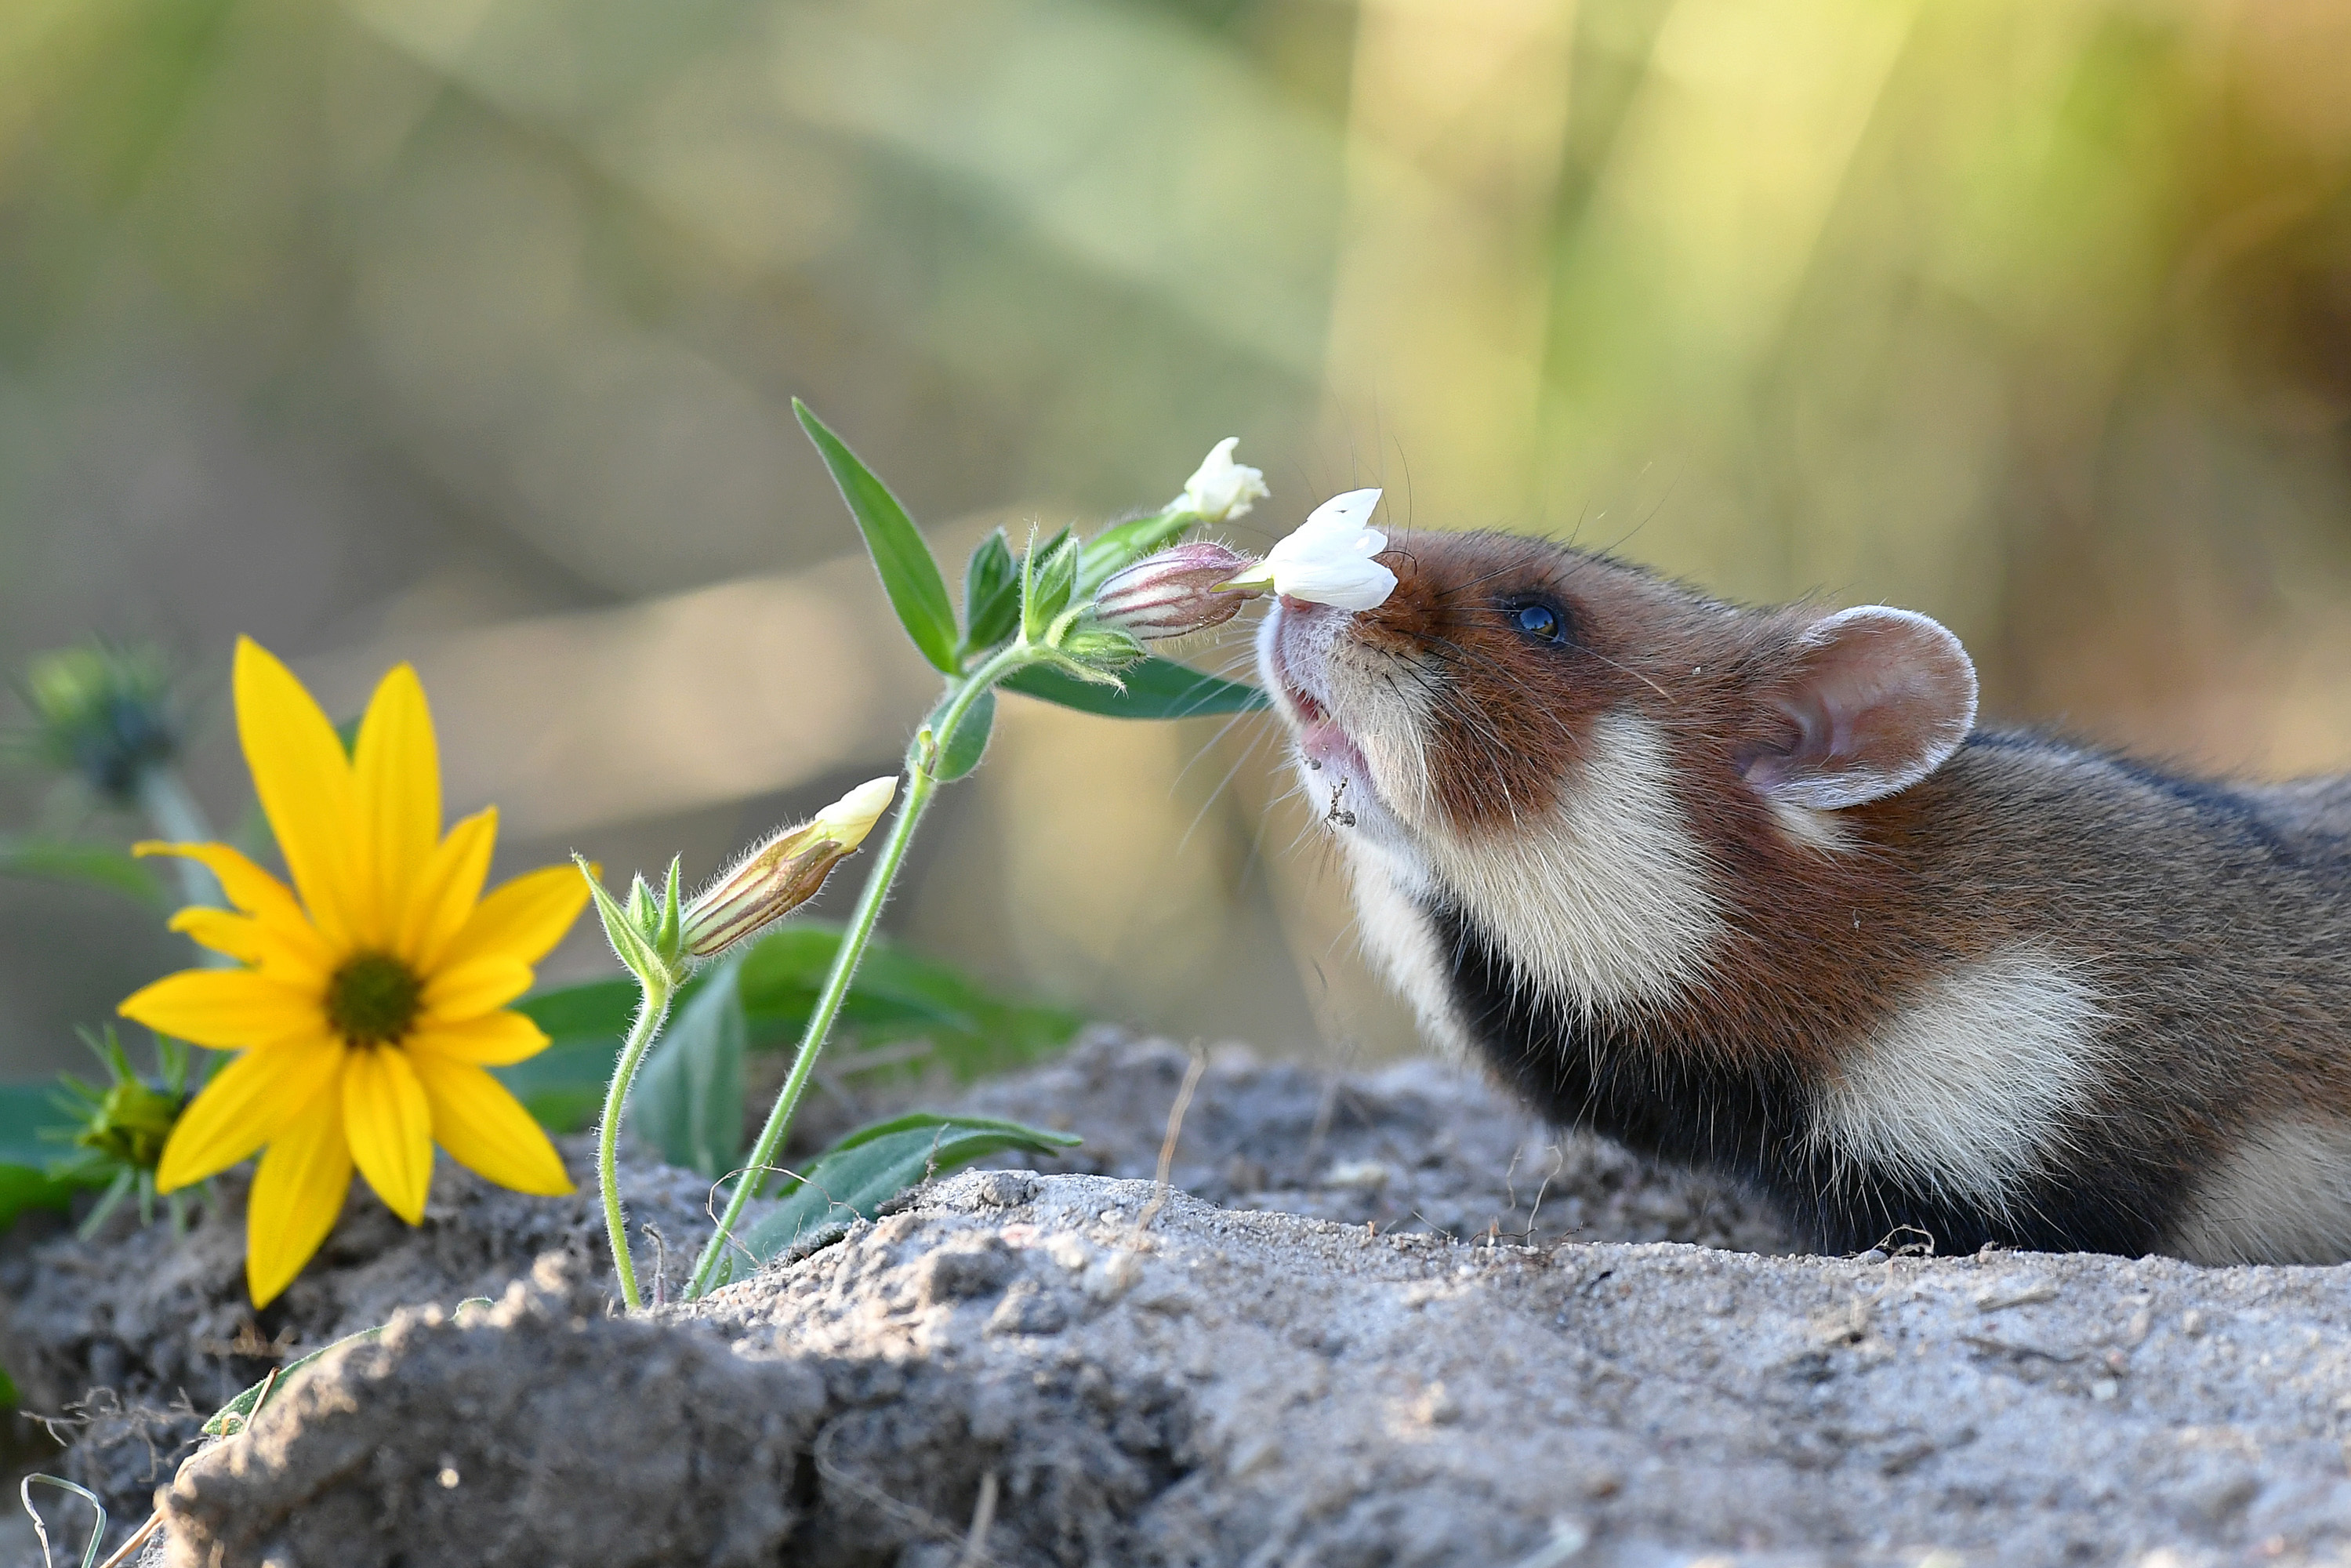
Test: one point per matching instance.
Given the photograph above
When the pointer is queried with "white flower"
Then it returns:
(847, 820)
(1221, 488)
(1329, 559)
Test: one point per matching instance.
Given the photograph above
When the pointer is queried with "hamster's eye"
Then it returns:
(1537, 621)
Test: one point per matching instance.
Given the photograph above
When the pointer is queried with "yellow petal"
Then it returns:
(397, 766)
(522, 918)
(246, 1103)
(474, 988)
(389, 1128)
(298, 1191)
(442, 896)
(495, 1039)
(300, 964)
(238, 935)
(486, 1130)
(305, 784)
(227, 1010)
(248, 886)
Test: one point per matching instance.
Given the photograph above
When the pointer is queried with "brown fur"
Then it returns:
(2215, 921)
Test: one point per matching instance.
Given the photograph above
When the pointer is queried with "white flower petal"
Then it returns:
(1345, 512)
(1355, 583)
(1329, 559)
(1221, 488)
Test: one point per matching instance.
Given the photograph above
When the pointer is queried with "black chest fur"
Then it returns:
(1670, 1099)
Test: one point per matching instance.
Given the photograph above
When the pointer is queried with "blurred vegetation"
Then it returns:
(465, 330)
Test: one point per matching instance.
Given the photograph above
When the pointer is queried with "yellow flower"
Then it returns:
(372, 993)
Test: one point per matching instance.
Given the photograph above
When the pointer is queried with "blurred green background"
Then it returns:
(463, 331)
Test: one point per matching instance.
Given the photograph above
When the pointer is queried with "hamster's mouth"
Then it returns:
(1321, 741)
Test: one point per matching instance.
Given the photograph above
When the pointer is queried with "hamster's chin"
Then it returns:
(1337, 784)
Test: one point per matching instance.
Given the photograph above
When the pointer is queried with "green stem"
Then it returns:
(177, 819)
(922, 782)
(654, 1007)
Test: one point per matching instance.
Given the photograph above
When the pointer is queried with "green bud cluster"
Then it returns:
(122, 1124)
(647, 933)
(103, 712)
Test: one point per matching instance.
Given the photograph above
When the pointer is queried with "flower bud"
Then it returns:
(105, 712)
(1221, 488)
(783, 873)
(1177, 591)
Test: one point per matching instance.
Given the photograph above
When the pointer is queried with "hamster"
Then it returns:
(1747, 890)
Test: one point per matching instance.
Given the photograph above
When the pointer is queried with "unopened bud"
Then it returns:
(1177, 591)
(784, 872)
(105, 712)
(1220, 489)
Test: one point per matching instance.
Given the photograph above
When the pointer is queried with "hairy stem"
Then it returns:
(922, 782)
(649, 1014)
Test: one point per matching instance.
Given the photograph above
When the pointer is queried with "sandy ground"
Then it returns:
(1398, 1323)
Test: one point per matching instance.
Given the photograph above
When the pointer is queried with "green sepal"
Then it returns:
(1049, 575)
(1099, 647)
(668, 942)
(1154, 688)
(909, 573)
(992, 594)
(1122, 544)
(629, 942)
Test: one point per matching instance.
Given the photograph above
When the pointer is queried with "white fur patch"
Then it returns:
(1385, 712)
(1823, 830)
(1398, 939)
(2281, 1195)
(1971, 1084)
(1602, 901)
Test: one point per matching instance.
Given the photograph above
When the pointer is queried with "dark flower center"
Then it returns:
(373, 999)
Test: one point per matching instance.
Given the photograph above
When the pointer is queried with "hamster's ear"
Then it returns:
(1878, 698)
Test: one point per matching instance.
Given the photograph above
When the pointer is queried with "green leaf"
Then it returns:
(26, 1179)
(563, 1086)
(30, 1186)
(1156, 688)
(897, 997)
(1048, 574)
(969, 743)
(689, 1095)
(94, 865)
(852, 1180)
(593, 1009)
(1123, 543)
(991, 594)
(909, 574)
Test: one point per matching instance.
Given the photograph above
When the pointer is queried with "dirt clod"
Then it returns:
(1071, 1368)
